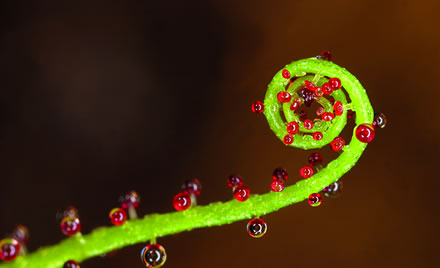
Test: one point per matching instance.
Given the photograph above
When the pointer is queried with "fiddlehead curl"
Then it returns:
(292, 78)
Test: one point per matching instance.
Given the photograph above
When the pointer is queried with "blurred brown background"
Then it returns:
(98, 98)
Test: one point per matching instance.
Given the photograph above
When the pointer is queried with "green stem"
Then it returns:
(105, 239)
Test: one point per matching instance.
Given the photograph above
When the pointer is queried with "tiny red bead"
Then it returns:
(326, 88)
(286, 74)
(131, 199)
(277, 185)
(21, 234)
(327, 116)
(315, 159)
(192, 186)
(308, 124)
(319, 111)
(288, 139)
(318, 92)
(350, 114)
(292, 128)
(302, 115)
(71, 264)
(117, 216)
(306, 172)
(315, 200)
(70, 226)
(310, 86)
(308, 96)
(327, 55)
(9, 249)
(338, 108)
(317, 136)
(295, 105)
(242, 193)
(257, 107)
(365, 133)
(284, 96)
(335, 83)
(279, 174)
(379, 121)
(256, 228)
(334, 189)
(234, 181)
(153, 256)
(337, 144)
(181, 201)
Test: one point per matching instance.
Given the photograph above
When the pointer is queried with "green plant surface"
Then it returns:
(105, 239)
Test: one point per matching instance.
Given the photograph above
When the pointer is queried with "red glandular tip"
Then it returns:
(327, 116)
(242, 193)
(317, 136)
(288, 139)
(277, 185)
(337, 144)
(315, 200)
(286, 74)
(284, 96)
(338, 108)
(234, 181)
(257, 107)
(192, 186)
(181, 201)
(335, 83)
(292, 128)
(9, 249)
(117, 216)
(326, 88)
(280, 174)
(306, 172)
(70, 226)
(308, 124)
(315, 159)
(365, 133)
(310, 86)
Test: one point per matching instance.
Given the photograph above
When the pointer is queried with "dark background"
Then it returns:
(98, 98)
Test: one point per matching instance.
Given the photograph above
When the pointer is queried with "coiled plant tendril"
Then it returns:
(105, 239)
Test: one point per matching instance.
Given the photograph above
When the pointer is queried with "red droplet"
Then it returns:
(327, 55)
(338, 108)
(277, 185)
(302, 115)
(9, 249)
(315, 159)
(131, 199)
(295, 105)
(71, 264)
(279, 174)
(350, 114)
(306, 172)
(319, 111)
(318, 92)
(308, 96)
(153, 256)
(256, 228)
(284, 96)
(308, 124)
(242, 193)
(365, 133)
(335, 83)
(234, 181)
(192, 186)
(317, 136)
(315, 200)
(70, 226)
(327, 116)
(117, 216)
(334, 189)
(326, 88)
(286, 74)
(292, 128)
(380, 120)
(21, 234)
(257, 107)
(181, 201)
(337, 144)
(310, 86)
(288, 139)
